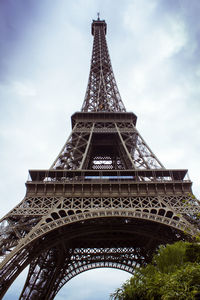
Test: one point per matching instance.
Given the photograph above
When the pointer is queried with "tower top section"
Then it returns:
(99, 23)
(102, 94)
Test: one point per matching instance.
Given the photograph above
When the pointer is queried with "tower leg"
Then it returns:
(43, 272)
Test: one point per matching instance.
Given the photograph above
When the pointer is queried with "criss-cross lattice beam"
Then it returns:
(62, 254)
(51, 270)
(118, 146)
(102, 93)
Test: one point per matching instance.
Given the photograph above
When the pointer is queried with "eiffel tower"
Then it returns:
(106, 201)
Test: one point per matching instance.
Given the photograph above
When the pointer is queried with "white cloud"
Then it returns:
(24, 88)
(94, 284)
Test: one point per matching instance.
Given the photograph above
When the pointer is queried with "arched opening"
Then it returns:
(118, 242)
(93, 284)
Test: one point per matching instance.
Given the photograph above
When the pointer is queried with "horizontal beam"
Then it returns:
(103, 116)
(157, 175)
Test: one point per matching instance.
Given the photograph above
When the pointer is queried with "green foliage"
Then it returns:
(192, 253)
(174, 274)
(169, 257)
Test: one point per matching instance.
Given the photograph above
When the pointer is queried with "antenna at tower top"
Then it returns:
(98, 16)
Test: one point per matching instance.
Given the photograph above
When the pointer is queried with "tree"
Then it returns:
(173, 274)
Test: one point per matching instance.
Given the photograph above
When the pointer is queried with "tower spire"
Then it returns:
(102, 93)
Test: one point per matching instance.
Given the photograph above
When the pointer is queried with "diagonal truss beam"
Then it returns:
(102, 93)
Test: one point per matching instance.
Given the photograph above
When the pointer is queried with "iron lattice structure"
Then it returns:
(106, 201)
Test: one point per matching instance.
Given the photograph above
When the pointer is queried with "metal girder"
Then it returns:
(106, 145)
(173, 213)
(102, 93)
(65, 252)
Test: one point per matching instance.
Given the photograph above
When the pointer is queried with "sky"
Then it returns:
(45, 52)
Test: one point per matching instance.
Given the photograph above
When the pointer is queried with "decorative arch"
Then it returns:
(57, 219)
(99, 265)
(95, 230)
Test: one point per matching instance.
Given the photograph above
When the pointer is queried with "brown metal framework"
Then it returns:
(106, 201)
(102, 93)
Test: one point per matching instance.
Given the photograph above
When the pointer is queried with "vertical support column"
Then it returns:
(125, 148)
(87, 148)
(42, 275)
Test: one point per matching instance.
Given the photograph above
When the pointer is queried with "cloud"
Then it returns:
(159, 79)
(24, 88)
